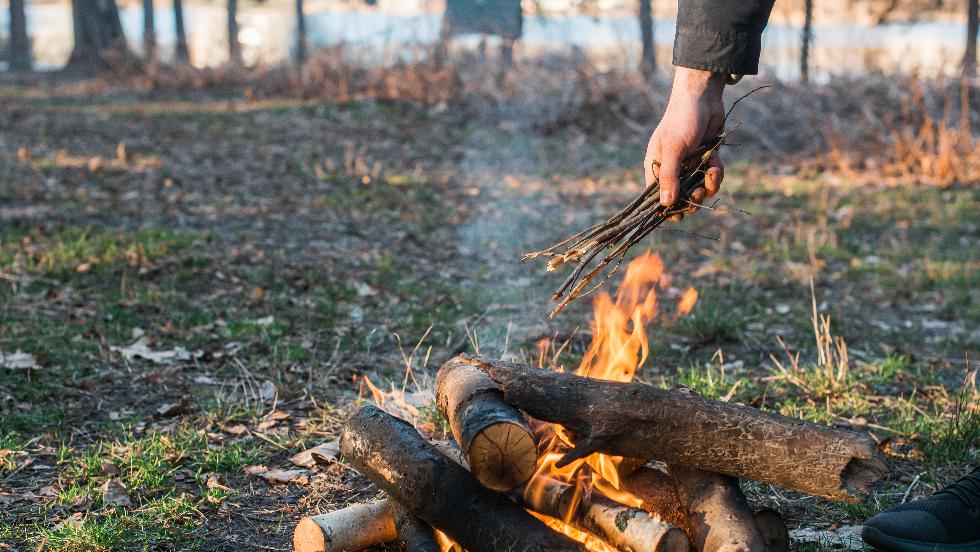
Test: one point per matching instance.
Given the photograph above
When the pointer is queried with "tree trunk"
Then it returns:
(972, 27)
(181, 53)
(149, 32)
(807, 41)
(234, 46)
(300, 33)
(648, 58)
(414, 473)
(20, 45)
(99, 39)
(493, 435)
(640, 421)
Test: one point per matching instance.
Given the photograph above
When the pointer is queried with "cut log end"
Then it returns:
(502, 456)
(353, 528)
(859, 474)
(308, 537)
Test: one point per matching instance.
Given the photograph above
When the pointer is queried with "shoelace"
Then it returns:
(967, 490)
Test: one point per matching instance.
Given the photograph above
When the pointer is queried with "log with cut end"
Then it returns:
(714, 512)
(392, 454)
(628, 529)
(353, 528)
(493, 435)
(636, 420)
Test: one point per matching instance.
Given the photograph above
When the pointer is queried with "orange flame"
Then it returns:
(687, 301)
(618, 349)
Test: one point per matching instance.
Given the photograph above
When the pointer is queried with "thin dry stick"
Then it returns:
(626, 228)
(621, 232)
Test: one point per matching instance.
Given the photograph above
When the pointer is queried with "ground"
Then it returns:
(193, 290)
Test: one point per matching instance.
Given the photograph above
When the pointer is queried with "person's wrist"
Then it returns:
(695, 82)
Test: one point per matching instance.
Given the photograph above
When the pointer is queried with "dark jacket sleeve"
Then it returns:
(721, 36)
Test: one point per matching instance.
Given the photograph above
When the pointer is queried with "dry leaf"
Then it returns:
(140, 349)
(114, 493)
(173, 409)
(284, 476)
(256, 469)
(235, 429)
(324, 453)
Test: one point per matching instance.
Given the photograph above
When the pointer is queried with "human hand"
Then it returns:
(695, 113)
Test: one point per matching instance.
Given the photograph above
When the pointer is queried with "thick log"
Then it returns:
(636, 420)
(350, 529)
(434, 488)
(716, 515)
(493, 435)
(413, 532)
(627, 529)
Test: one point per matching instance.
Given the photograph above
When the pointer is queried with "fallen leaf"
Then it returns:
(324, 453)
(235, 429)
(268, 391)
(140, 349)
(114, 493)
(284, 476)
(173, 409)
(256, 469)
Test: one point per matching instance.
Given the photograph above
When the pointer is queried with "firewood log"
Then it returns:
(413, 532)
(350, 529)
(636, 420)
(392, 454)
(627, 529)
(493, 435)
(714, 512)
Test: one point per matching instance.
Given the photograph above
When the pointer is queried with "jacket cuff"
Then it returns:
(731, 52)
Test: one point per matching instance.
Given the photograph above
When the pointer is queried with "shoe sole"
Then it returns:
(888, 543)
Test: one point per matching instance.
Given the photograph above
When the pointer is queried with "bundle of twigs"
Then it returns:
(623, 230)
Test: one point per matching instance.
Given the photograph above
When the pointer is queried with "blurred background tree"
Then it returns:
(20, 46)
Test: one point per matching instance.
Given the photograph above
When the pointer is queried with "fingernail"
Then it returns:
(667, 198)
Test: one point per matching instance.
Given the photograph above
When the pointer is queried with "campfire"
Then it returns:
(549, 460)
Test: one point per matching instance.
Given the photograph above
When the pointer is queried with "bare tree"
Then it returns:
(648, 59)
(234, 46)
(807, 40)
(149, 32)
(300, 32)
(181, 53)
(972, 27)
(99, 37)
(20, 45)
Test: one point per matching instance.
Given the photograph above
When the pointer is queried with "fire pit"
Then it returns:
(546, 460)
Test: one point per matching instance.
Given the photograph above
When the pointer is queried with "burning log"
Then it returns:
(716, 516)
(635, 420)
(353, 528)
(628, 529)
(390, 453)
(493, 435)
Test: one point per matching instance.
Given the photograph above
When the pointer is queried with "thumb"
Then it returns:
(670, 184)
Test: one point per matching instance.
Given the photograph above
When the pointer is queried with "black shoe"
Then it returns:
(948, 521)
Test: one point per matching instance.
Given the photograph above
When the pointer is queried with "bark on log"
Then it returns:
(390, 453)
(413, 532)
(722, 515)
(353, 528)
(493, 435)
(627, 529)
(636, 420)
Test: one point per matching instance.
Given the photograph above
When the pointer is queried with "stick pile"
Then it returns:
(486, 495)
